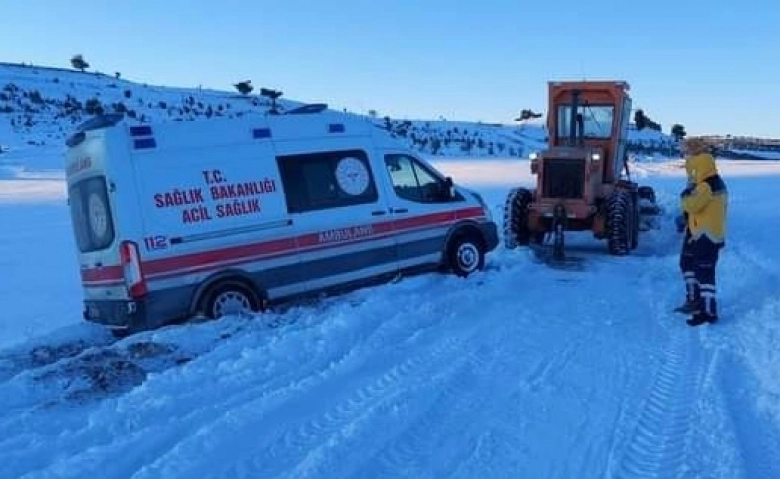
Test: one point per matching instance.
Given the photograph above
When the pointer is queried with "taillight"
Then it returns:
(131, 265)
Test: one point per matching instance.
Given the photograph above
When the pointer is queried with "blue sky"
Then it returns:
(712, 66)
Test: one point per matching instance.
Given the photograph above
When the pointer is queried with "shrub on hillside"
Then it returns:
(244, 87)
(678, 131)
(93, 107)
(79, 63)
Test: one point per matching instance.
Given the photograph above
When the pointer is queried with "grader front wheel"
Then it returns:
(620, 223)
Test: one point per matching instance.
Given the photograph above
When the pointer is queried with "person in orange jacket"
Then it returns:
(704, 202)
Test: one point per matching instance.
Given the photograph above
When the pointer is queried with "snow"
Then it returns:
(769, 155)
(519, 371)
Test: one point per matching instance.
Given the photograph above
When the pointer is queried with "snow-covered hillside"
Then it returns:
(40, 106)
(519, 371)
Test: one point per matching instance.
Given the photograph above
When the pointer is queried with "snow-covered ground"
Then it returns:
(522, 371)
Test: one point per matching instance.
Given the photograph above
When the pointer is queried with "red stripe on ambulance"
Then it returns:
(237, 255)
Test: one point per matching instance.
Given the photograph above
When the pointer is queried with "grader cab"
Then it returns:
(582, 177)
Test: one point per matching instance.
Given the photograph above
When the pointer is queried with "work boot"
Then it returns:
(698, 319)
(689, 307)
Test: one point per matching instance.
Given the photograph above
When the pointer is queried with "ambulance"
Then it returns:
(209, 218)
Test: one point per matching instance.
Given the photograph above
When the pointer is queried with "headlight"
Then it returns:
(533, 156)
(595, 156)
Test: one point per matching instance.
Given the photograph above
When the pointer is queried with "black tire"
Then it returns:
(516, 232)
(230, 297)
(466, 255)
(619, 223)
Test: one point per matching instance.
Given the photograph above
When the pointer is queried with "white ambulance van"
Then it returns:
(215, 217)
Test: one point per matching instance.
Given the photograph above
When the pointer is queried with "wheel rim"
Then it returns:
(468, 257)
(231, 302)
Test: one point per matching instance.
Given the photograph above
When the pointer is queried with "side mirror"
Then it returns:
(393, 165)
(450, 186)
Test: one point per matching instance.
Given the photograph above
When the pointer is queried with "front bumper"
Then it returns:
(490, 234)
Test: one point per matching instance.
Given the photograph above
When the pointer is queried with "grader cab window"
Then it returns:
(596, 121)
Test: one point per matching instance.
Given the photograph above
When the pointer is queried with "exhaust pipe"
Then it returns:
(576, 119)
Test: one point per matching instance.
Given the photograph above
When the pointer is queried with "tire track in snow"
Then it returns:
(455, 397)
(309, 449)
(321, 435)
(450, 431)
(758, 441)
(754, 280)
(269, 391)
(266, 415)
(549, 367)
(750, 282)
(658, 446)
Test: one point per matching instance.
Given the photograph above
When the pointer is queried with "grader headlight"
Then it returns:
(595, 161)
(534, 157)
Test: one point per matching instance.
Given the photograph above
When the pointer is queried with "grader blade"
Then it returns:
(544, 254)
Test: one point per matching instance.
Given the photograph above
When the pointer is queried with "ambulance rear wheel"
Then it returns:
(230, 298)
(466, 255)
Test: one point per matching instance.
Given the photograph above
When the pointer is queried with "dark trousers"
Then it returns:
(698, 260)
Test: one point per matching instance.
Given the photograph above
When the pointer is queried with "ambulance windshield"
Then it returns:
(91, 214)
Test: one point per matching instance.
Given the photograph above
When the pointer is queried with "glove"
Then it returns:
(687, 191)
(679, 222)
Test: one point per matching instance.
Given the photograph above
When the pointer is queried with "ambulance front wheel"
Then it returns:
(230, 298)
(466, 255)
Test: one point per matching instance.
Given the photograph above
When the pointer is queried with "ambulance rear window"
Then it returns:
(91, 214)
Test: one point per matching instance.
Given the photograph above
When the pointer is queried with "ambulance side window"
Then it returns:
(414, 182)
(333, 179)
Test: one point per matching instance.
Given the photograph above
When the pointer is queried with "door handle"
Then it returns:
(400, 210)
(378, 212)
